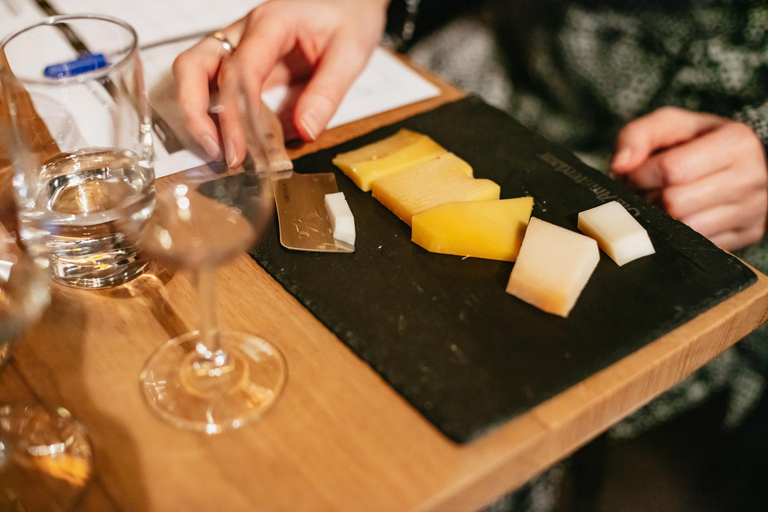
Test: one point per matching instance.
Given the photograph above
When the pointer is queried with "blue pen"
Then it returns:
(84, 63)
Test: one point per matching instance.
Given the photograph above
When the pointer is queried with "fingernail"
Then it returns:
(310, 124)
(212, 148)
(622, 158)
(231, 154)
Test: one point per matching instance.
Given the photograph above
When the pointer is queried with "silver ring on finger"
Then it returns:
(225, 42)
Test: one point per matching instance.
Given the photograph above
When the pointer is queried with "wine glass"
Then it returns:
(45, 456)
(210, 380)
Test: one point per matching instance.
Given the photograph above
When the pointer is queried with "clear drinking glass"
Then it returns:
(45, 456)
(83, 153)
(210, 380)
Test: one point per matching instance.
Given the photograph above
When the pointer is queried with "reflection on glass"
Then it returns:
(45, 456)
(210, 380)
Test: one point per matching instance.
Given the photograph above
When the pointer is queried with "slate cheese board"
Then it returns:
(442, 331)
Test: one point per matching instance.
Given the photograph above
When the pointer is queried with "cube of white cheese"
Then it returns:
(342, 221)
(553, 266)
(617, 232)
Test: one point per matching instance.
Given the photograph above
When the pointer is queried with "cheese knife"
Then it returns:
(299, 198)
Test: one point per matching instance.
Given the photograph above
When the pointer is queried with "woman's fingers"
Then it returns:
(264, 43)
(293, 68)
(687, 162)
(193, 70)
(733, 240)
(722, 218)
(337, 70)
(706, 171)
(230, 125)
(731, 185)
(660, 129)
(276, 43)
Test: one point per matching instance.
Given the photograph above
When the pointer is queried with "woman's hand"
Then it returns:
(709, 172)
(277, 42)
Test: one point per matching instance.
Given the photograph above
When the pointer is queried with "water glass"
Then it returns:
(82, 145)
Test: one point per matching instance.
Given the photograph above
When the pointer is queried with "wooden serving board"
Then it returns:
(442, 331)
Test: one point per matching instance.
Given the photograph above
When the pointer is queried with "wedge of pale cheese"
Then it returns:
(553, 266)
(388, 156)
(481, 229)
(617, 232)
(445, 179)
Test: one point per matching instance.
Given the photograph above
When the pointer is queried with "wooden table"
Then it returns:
(340, 439)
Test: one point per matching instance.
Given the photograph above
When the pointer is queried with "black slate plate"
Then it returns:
(441, 329)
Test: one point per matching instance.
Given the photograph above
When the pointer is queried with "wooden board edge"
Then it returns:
(576, 416)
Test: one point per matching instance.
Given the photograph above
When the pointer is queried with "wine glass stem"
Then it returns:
(209, 346)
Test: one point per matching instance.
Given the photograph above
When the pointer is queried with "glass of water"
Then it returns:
(82, 151)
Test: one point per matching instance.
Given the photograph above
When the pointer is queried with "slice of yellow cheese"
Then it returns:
(553, 267)
(445, 179)
(481, 229)
(388, 156)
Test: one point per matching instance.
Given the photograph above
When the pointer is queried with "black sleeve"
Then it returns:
(401, 22)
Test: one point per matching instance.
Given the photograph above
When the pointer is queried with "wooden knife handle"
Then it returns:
(270, 131)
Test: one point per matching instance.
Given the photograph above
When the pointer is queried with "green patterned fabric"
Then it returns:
(576, 72)
(586, 69)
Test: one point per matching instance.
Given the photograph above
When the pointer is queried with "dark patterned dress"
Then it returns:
(576, 72)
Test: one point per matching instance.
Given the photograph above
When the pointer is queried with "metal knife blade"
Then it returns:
(300, 198)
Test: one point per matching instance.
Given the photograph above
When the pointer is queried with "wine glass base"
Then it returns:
(213, 399)
(46, 459)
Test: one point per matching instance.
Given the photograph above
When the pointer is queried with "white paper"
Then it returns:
(162, 96)
(78, 115)
(17, 14)
(162, 20)
(385, 84)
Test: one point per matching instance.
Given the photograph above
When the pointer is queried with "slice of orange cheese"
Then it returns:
(445, 179)
(553, 267)
(481, 229)
(388, 156)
